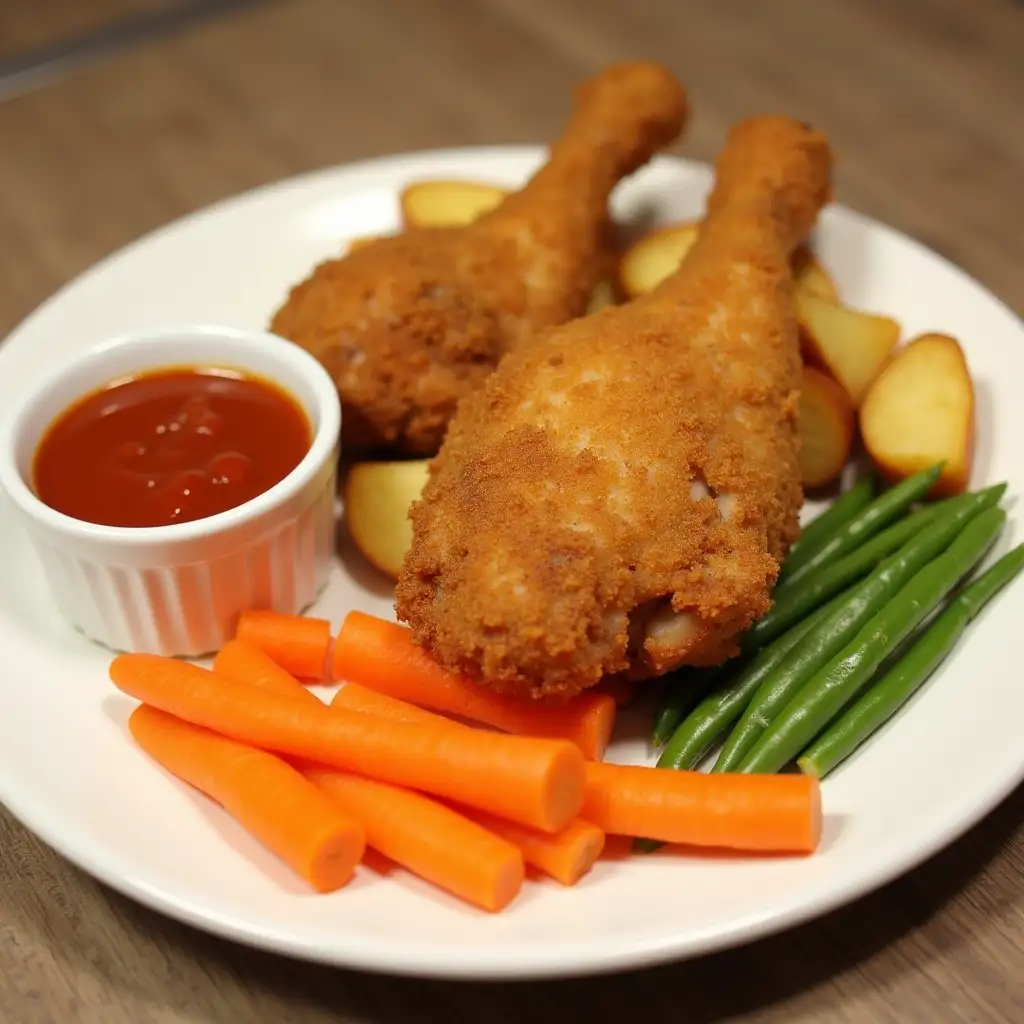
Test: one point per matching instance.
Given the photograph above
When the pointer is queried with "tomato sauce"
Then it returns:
(169, 446)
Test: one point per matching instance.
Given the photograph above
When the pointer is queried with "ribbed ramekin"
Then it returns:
(178, 590)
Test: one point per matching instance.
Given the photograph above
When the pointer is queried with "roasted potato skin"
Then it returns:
(827, 428)
(850, 345)
(920, 410)
(377, 498)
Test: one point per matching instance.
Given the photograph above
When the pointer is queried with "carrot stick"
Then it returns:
(566, 855)
(300, 645)
(266, 796)
(780, 813)
(382, 656)
(534, 781)
(430, 839)
(354, 697)
(243, 662)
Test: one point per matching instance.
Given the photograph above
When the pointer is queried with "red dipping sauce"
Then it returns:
(169, 446)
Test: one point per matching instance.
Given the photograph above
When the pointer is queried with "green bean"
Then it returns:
(886, 508)
(820, 529)
(860, 604)
(792, 602)
(679, 696)
(823, 697)
(716, 712)
(886, 696)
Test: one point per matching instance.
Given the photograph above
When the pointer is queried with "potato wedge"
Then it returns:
(603, 295)
(454, 204)
(811, 277)
(658, 253)
(920, 410)
(849, 345)
(650, 260)
(377, 500)
(826, 428)
(448, 204)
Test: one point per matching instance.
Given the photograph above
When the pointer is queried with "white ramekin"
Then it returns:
(178, 590)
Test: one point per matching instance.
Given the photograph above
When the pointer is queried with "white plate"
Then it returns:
(68, 771)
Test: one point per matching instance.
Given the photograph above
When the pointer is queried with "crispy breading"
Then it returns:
(617, 497)
(409, 325)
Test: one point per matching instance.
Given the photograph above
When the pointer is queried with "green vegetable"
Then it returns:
(886, 508)
(682, 691)
(716, 712)
(825, 695)
(820, 529)
(898, 685)
(859, 604)
(793, 601)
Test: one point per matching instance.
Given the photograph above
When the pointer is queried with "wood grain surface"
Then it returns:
(30, 25)
(922, 100)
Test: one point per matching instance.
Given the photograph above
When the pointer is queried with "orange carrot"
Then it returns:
(354, 697)
(766, 813)
(382, 656)
(269, 798)
(534, 781)
(243, 662)
(300, 645)
(566, 855)
(430, 839)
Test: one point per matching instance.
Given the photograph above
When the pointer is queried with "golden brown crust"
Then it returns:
(406, 327)
(409, 325)
(618, 495)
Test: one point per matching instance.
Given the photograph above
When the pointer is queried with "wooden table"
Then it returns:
(921, 100)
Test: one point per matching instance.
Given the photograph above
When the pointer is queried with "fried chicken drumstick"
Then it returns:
(617, 498)
(410, 324)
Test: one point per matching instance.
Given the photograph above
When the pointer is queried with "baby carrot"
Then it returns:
(243, 662)
(264, 794)
(705, 810)
(537, 782)
(382, 656)
(430, 839)
(566, 856)
(354, 697)
(300, 645)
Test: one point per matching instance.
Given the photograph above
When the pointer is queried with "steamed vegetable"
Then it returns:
(298, 643)
(740, 812)
(816, 704)
(267, 796)
(538, 782)
(842, 624)
(885, 509)
(382, 656)
(886, 696)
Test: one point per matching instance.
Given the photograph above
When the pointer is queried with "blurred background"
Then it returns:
(117, 116)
